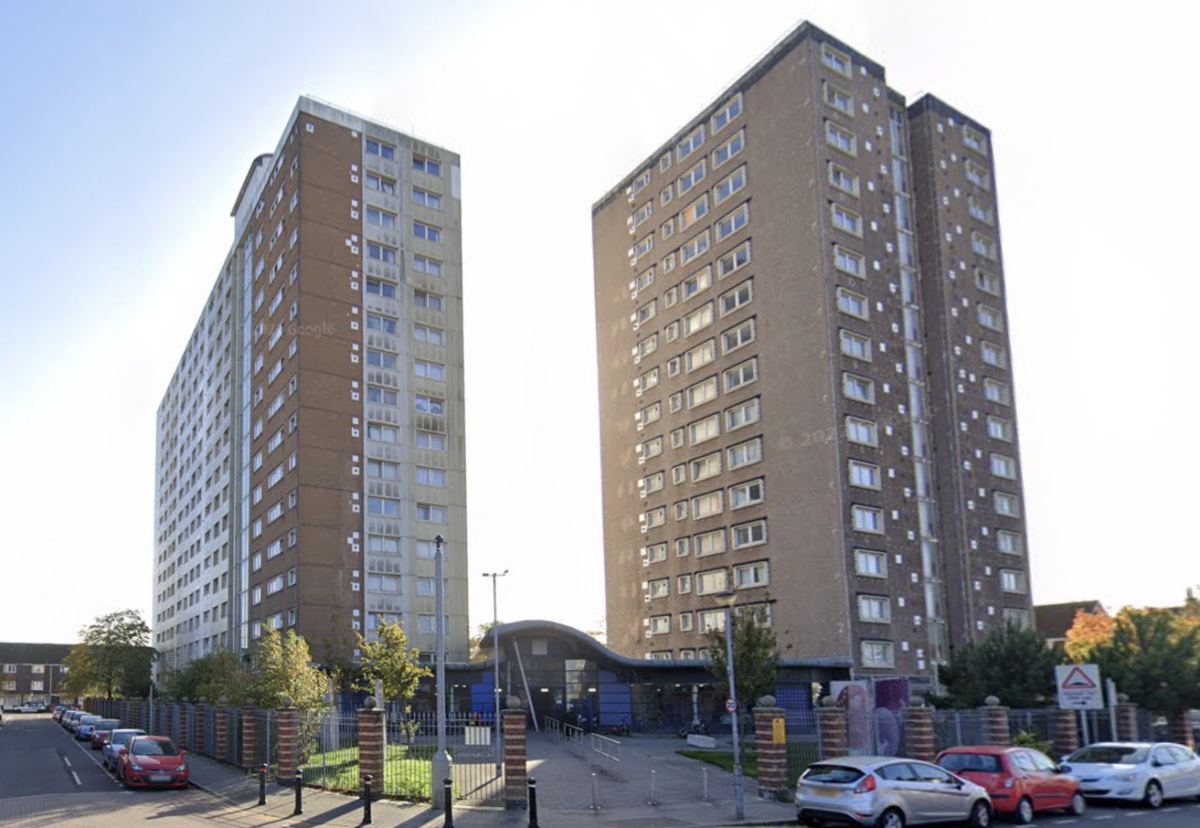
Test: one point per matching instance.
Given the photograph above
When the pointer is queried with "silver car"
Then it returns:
(887, 792)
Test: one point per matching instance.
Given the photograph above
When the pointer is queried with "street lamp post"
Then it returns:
(727, 600)
(441, 760)
(496, 664)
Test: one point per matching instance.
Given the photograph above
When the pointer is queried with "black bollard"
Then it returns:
(366, 800)
(299, 782)
(533, 823)
(448, 794)
(262, 784)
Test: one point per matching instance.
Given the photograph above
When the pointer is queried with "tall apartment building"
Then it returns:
(805, 391)
(310, 445)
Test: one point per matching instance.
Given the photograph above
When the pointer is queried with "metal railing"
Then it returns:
(605, 751)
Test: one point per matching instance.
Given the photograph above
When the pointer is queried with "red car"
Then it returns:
(152, 762)
(1021, 781)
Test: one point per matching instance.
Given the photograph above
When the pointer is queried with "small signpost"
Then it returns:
(731, 705)
(1079, 688)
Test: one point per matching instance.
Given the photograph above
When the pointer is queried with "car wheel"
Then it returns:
(981, 815)
(1024, 813)
(1078, 805)
(891, 818)
(1154, 795)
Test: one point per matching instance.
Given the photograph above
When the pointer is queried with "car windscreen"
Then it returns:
(970, 762)
(107, 724)
(120, 738)
(148, 747)
(1110, 755)
(832, 774)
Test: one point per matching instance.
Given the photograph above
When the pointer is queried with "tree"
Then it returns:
(213, 676)
(1012, 662)
(481, 634)
(112, 657)
(755, 657)
(1089, 630)
(390, 658)
(282, 666)
(1154, 657)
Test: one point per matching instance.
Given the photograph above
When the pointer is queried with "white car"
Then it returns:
(1148, 772)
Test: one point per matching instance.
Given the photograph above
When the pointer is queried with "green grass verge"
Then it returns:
(723, 759)
(406, 775)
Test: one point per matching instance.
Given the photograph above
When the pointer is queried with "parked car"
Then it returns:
(85, 726)
(33, 707)
(113, 744)
(102, 730)
(887, 792)
(152, 761)
(1148, 772)
(71, 717)
(1020, 781)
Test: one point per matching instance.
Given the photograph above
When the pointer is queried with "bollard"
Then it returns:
(653, 779)
(299, 782)
(705, 771)
(533, 823)
(262, 784)
(366, 820)
(595, 804)
(448, 795)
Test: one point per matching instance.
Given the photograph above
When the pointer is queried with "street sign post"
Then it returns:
(1079, 687)
(731, 705)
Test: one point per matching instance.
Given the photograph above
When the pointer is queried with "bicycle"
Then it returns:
(621, 729)
(699, 728)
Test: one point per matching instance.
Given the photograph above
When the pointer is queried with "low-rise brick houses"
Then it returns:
(31, 672)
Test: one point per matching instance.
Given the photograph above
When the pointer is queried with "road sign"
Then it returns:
(1079, 687)
(731, 705)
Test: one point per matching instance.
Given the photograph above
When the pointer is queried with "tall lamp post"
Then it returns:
(441, 760)
(727, 599)
(496, 664)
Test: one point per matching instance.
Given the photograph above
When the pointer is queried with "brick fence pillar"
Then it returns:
(222, 731)
(995, 722)
(1127, 722)
(288, 718)
(770, 735)
(249, 736)
(1064, 732)
(515, 752)
(1179, 728)
(833, 732)
(372, 744)
(919, 740)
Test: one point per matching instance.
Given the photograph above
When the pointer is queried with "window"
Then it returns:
(689, 144)
(647, 380)
(836, 60)
(741, 374)
(698, 319)
(978, 175)
(1006, 504)
(706, 467)
(708, 504)
(427, 231)
(843, 179)
(427, 199)
(653, 483)
(751, 575)
(1012, 580)
(640, 183)
(865, 475)
(1000, 429)
(737, 337)
(696, 283)
(735, 259)
(429, 405)
(711, 581)
(432, 336)
(383, 396)
(749, 534)
(997, 392)
(1018, 617)
(734, 183)
(710, 620)
(383, 470)
(745, 454)
(991, 318)
(256, 596)
(877, 654)
(378, 288)
(987, 282)
(386, 324)
(380, 359)
(855, 345)
(876, 608)
(854, 304)
(694, 248)
(1010, 543)
(863, 432)
(840, 138)
(984, 245)
(846, 220)
(659, 624)
(656, 553)
(429, 370)
(737, 297)
(427, 165)
(994, 355)
(729, 149)
(383, 506)
(858, 388)
(733, 222)
(710, 543)
(746, 494)
(431, 477)
(980, 210)
(381, 217)
(701, 355)
(849, 261)
(742, 414)
(704, 430)
(432, 301)
(275, 585)
(727, 113)
(649, 414)
(656, 517)
(427, 624)
(643, 247)
(665, 197)
(381, 253)
(381, 149)
(431, 513)
(652, 448)
(660, 588)
(692, 177)
(975, 140)
(381, 184)
(869, 563)
(866, 519)
(839, 99)
(431, 441)
(423, 264)
(1004, 466)
(682, 545)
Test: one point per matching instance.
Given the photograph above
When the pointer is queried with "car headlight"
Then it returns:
(135, 766)
(181, 769)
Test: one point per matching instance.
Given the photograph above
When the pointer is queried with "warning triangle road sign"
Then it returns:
(1077, 680)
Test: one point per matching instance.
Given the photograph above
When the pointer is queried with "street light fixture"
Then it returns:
(496, 664)
(727, 599)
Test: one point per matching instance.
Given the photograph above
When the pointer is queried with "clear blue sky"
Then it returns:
(128, 127)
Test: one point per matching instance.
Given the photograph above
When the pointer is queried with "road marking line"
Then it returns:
(75, 776)
(68, 761)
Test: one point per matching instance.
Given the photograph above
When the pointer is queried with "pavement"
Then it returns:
(568, 784)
